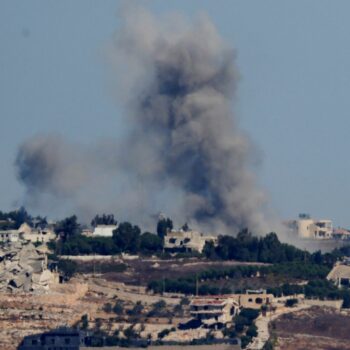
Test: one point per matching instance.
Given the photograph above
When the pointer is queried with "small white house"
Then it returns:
(104, 230)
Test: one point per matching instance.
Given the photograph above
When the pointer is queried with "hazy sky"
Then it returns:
(293, 98)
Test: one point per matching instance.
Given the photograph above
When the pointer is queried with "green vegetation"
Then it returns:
(68, 228)
(163, 226)
(187, 285)
(14, 219)
(118, 308)
(244, 325)
(103, 220)
(81, 245)
(291, 302)
(268, 249)
(67, 268)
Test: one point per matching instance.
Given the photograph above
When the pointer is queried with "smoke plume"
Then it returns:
(183, 153)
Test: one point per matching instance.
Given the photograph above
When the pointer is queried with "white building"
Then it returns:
(308, 228)
(104, 230)
(214, 309)
(186, 241)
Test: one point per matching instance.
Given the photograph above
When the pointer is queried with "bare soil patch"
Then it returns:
(319, 328)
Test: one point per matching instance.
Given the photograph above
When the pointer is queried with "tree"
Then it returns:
(107, 307)
(84, 322)
(150, 243)
(185, 227)
(103, 220)
(127, 237)
(68, 227)
(252, 331)
(346, 300)
(67, 267)
(164, 225)
(209, 250)
(130, 333)
(118, 307)
(163, 333)
(136, 310)
(14, 219)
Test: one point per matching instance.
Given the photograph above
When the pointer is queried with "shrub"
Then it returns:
(252, 331)
(291, 302)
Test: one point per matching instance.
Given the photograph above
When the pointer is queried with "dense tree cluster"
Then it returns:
(104, 219)
(68, 228)
(188, 285)
(246, 247)
(164, 225)
(14, 219)
(126, 238)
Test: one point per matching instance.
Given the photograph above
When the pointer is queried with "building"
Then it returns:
(186, 241)
(104, 230)
(42, 234)
(307, 228)
(87, 232)
(340, 274)
(341, 234)
(214, 309)
(9, 236)
(59, 339)
(253, 299)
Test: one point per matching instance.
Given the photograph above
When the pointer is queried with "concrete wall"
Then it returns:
(328, 303)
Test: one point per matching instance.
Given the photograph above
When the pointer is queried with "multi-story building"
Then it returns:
(308, 228)
(214, 309)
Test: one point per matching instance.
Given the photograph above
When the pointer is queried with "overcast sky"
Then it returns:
(293, 98)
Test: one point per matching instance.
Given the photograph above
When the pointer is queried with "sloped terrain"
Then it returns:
(319, 328)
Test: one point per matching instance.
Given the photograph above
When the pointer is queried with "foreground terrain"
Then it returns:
(324, 328)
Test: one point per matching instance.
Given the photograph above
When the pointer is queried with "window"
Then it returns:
(35, 342)
(67, 341)
(172, 240)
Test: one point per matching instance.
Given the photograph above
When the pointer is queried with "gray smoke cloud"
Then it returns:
(183, 153)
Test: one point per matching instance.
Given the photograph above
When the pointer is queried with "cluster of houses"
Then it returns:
(306, 227)
(37, 233)
(215, 310)
(174, 241)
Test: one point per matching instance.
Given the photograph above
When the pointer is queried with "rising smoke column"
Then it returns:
(183, 146)
(181, 110)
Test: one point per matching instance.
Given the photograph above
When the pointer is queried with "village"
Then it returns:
(180, 295)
